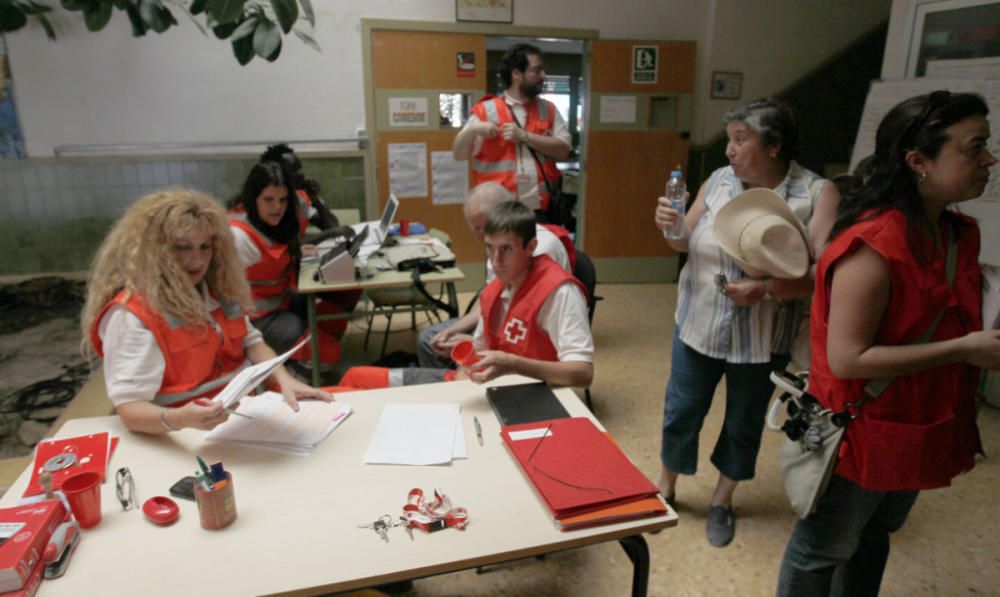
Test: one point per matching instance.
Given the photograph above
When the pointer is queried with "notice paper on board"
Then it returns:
(408, 169)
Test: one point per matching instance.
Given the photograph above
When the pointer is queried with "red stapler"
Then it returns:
(60, 548)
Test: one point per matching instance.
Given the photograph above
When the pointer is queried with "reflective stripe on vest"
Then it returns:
(205, 388)
(270, 303)
(491, 112)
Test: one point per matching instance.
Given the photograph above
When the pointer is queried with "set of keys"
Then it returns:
(382, 524)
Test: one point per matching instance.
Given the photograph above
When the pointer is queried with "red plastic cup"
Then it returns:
(404, 228)
(83, 492)
(464, 353)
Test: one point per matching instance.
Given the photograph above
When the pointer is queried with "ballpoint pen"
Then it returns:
(479, 429)
(233, 411)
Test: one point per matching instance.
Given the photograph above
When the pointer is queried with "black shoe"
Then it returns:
(721, 525)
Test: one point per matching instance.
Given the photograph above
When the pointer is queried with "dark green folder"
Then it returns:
(525, 403)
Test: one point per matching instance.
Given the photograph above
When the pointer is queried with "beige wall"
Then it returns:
(182, 86)
(774, 44)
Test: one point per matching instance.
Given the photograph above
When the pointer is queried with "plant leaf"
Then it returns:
(76, 4)
(97, 15)
(197, 7)
(243, 50)
(164, 19)
(287, 12)
(138, 25)
(266, 38)
(224, 31)
(225, 11)
(245, 28)
(307, 9)
(307, 39)
(12, 18)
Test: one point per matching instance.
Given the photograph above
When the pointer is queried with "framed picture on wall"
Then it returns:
(492, 11)
(726, 85)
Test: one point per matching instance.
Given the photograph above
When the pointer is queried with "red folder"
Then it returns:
(575, 467)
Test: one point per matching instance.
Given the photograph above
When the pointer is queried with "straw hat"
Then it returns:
(760, 232)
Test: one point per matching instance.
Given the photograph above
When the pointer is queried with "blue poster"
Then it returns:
(11, 141)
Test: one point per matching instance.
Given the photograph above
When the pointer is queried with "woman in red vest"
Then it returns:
(166, 310)
(881, 284)
(267, 219)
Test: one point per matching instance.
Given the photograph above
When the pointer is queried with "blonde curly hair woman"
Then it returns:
(166, 309)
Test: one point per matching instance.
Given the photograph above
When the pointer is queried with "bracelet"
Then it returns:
(163, 419)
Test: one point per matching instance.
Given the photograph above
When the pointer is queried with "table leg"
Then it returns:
(313, 336)
(453, 298)
(637, 550)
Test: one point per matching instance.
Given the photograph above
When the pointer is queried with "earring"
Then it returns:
(922, 177)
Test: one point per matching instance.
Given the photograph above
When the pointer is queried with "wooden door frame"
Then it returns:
(490, 29)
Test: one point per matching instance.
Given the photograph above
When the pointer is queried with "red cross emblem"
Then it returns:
(515, 330)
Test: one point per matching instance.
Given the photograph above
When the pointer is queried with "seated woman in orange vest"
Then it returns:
(165, 309)
(533, 317)
(267, 219)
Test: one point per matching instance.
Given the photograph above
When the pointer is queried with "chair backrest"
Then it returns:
(587, 275)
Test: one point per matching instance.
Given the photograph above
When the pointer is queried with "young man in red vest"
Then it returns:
(532, 320)
(502, 132)
(434, 343)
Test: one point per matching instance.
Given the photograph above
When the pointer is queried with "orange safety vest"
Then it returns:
(272, 278)
(199, 361)
(497, 160)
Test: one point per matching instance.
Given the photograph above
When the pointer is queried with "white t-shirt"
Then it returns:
(548, 244)
(246, 250)
(133, 363)
(563, 316)
(527, 190)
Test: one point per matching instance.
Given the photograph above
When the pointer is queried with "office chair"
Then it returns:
(587, 275)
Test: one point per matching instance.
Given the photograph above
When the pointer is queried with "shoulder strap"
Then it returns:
(548, 185)
(875, 387)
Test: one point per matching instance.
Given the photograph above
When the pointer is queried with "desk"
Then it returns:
(371, 277)
(297, 527)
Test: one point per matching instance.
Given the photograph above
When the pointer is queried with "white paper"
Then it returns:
(416, 434)
(407, 111)
(449, 177)
(274, 425)
(530, 434)
(251, 377)
(408, 169)
(617, 108)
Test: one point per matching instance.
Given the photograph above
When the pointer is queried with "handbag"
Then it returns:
(813, 433)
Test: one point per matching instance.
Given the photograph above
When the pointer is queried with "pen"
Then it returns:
(238, 414)
(479, 429)
(204, 468)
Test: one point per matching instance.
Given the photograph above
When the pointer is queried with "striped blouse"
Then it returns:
(707, 320)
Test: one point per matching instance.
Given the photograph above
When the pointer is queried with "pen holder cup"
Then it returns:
(216, 507)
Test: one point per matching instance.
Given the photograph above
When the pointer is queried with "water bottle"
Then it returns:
(675, 194)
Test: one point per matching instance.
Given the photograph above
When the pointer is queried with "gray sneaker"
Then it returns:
(721, 525)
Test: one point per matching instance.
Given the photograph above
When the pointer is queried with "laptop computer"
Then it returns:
(337, 264)
(379, 229)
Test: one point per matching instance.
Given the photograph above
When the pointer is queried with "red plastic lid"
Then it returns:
(161, 510)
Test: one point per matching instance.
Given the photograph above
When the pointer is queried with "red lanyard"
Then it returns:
(433, 515)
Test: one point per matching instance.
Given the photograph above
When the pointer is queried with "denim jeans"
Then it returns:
(693, 379)
(426, 356)
(842, 548)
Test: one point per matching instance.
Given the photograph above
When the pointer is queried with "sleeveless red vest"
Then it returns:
(567, 241)
(273, 276)
(199, 360)
(921, 431)
(497, 161)
(519, 332)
